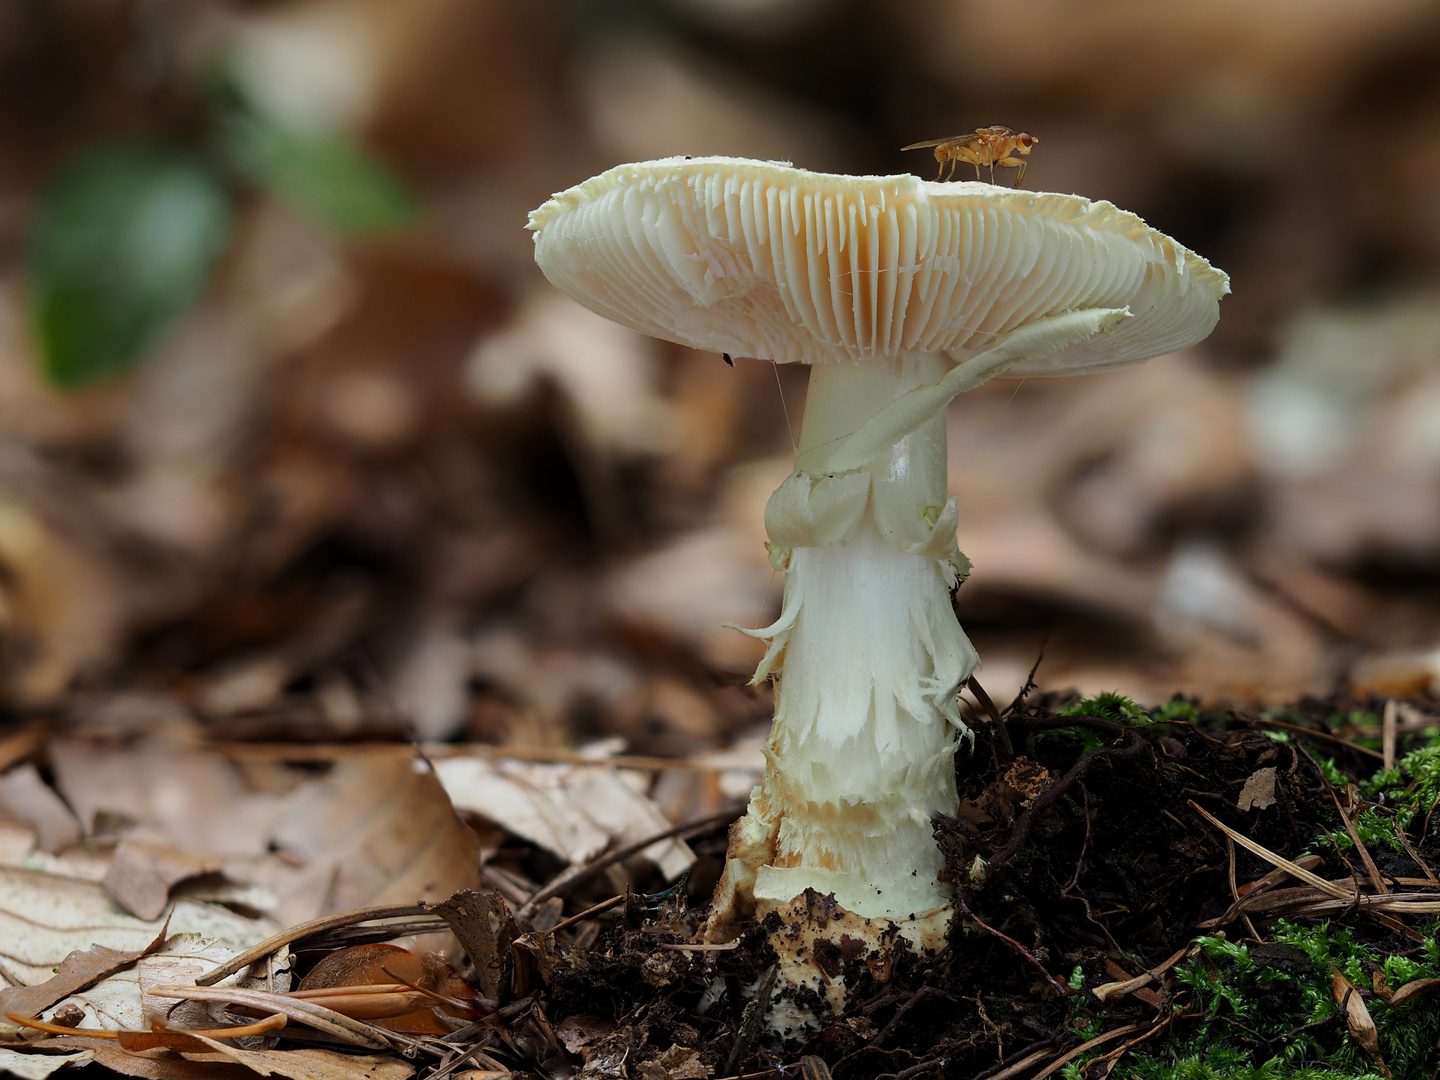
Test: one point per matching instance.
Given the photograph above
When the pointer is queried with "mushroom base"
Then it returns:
(823, 950)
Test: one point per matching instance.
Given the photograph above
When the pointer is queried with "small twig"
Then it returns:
(1370, 867)
(1065, 1059)
(915, 999)
(1119, 989)
(1020, 1066)
(366, 935)
(355, 1032)
(1029, 679)
(989, 706)
(1414, 855)
(1425, 829)
(753, 1018)
(1294, 870)
(1058, 987)
(1235, 890)
(1256, 721)
(1116, 1054)
(306, 929)
(1017, 1061)
(915, 1070)
(1084, 843)
(604, 905)
(1389, 728)
(475, 1054)
(1259, 888)
(584, 871)
(1055, 790)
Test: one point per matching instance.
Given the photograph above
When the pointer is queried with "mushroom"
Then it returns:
(900, 293)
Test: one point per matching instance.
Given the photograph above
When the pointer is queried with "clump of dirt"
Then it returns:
(1080, 857)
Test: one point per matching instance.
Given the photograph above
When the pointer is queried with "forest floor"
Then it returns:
(1165, 893)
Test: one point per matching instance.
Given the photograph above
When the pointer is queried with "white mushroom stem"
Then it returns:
(862, 752)
(869, 654)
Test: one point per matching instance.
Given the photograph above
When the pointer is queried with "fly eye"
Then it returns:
(1026, 140)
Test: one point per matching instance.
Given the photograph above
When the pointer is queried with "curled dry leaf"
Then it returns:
(1357, 1017)
(141, 874)
(378, 829)
(23, 794)
(482, 923)
(573, 811)
(1412, 989)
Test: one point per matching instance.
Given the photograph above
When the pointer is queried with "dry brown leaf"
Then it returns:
(575, 811)
(142, 872)
(45, 917)
(682, 1063)
(39, 1066)
(1357, 1017)
(378, 829)
(482, 922)
(25, 795)
(313, 1064)
(1413, 989)
(213, 1067)
(77, 971)
(1259, 790)
(576, 1033)
(195, 800)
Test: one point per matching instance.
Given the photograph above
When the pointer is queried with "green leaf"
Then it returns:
(329, 179)
(123, 241)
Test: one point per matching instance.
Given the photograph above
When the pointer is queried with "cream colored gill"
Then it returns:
(765, 260)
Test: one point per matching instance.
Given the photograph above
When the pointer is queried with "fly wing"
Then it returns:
(935, 142)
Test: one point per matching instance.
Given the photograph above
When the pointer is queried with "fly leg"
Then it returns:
(1016, 163)
(964, 153)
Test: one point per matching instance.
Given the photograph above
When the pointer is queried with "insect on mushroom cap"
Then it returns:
(760, 259)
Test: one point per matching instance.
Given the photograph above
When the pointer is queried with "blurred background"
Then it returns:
(295, 439)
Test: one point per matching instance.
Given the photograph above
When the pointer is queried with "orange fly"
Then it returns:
(991, 146)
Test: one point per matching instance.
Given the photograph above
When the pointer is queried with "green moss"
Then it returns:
(1413, 785)
(1248, 1012)
(1176, 710)
(1254, 1013)
(1116, 708)
(1376, 831)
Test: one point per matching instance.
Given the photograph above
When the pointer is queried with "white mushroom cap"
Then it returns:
(764, 260)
